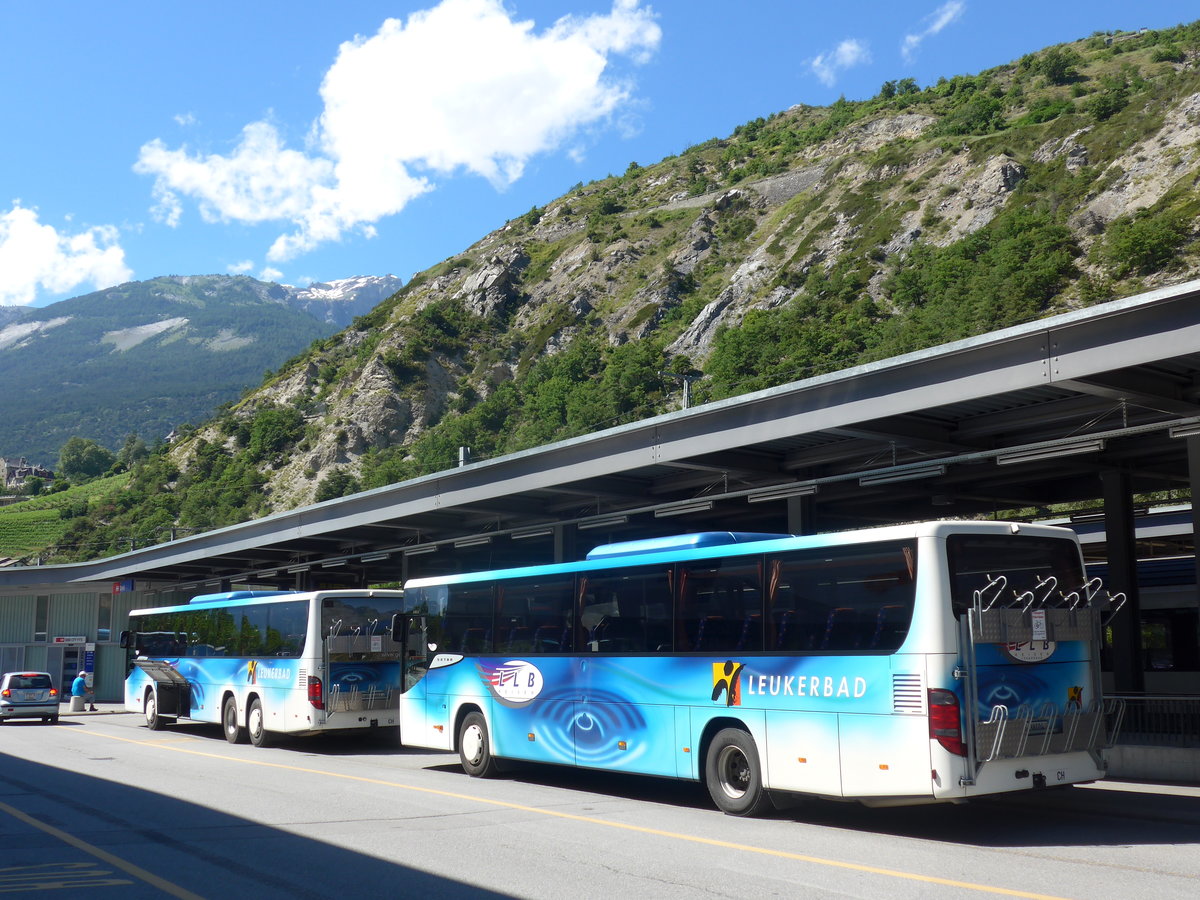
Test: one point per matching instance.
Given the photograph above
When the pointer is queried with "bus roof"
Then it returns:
(682, 542)
(235, 595)
(707, 545)
(252, 598)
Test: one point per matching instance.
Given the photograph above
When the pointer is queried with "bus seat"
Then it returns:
(751, 636)
(890, 627)
(474, 640)
(551, 637)
(717, 633)
(616, 633)
(519, 638)
(841, 629)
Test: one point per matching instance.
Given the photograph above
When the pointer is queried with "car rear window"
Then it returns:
(26, 682)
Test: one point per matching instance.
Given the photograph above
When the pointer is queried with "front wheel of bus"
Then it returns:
(733, 774)
(153, 720)
(474, 747)
(234, 732)
(257, 725)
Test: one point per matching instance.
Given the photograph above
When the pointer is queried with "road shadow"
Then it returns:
(1058, 817)
(205, 851)
(378, 742)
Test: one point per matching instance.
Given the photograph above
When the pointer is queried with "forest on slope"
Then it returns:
(809, 241)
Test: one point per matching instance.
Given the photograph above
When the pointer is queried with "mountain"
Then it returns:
(805, 242)
(148, 356)
(340, 302)
(11, 314)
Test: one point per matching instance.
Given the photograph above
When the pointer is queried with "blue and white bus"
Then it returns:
(264, 663)
(908, 664)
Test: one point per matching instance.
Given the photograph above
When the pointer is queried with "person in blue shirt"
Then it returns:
(79, 688)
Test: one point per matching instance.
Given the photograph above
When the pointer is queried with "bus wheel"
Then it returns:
(474, 748)
(234, 732)
(733, 774)
(257, 725)
(153, 720)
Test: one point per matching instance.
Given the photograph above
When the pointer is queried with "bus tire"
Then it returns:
(256, 725)
(475, 747)
(235, 733)
(154, 721)
(733, 774)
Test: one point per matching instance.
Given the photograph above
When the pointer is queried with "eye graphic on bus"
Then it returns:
(1003, 695)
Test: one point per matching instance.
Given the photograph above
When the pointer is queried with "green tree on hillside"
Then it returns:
(81, 459)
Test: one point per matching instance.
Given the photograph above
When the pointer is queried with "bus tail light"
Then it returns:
(945, 721)
(315, 695)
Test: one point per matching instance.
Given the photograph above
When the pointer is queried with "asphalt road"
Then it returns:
(99, 806)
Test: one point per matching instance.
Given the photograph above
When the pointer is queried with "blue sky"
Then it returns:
(308, 141)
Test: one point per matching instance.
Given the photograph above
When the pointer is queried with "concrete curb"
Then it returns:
(102, 709)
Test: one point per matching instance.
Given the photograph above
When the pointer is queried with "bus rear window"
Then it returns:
(1025, 563)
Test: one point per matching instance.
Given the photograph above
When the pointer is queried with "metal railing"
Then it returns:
(1160, 720)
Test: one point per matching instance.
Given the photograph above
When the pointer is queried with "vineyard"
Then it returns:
(31, 525)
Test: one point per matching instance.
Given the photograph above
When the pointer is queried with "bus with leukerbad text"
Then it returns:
(267, 663)
(908, 664)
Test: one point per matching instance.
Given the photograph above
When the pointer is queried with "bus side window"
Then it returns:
(720, 606)
(534, 615)
(468, 620)
(627, 611)
(842, 599)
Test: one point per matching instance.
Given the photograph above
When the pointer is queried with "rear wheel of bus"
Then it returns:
(256, 725)
(733, 774)
(234, 732)
(475, 747)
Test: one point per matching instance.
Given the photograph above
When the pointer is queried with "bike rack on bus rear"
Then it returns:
(1002, 617)
(355, 698)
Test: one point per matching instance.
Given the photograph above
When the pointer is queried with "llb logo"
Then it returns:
(515, 681)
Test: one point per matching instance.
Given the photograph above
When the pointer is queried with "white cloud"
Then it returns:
(269, 273)
(944, 15)
(241, 268)
(849, 53)
(461, 87)
(37, 257)
(185, 119)
(260, 181)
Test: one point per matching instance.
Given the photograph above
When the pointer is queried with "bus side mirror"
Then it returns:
(409, 631)
(126, 641)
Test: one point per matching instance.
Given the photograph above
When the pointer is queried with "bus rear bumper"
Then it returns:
(1020, 774)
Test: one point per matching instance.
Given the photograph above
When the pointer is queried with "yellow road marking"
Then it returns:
(592, 820)
(115, 861)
